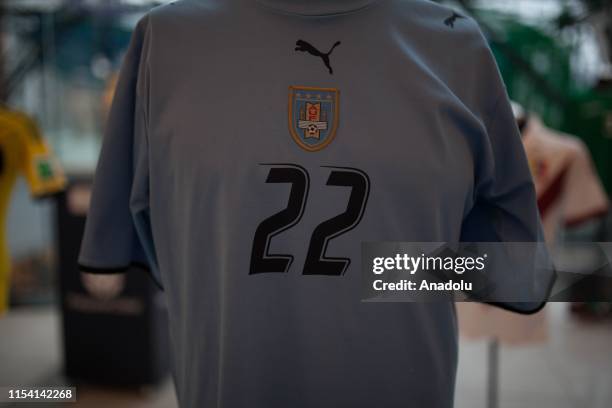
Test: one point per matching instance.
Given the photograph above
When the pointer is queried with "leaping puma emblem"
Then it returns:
(304, 46)
(451, 20)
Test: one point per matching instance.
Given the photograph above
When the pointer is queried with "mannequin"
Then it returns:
(246, 173)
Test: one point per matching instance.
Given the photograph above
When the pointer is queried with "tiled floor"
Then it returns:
(573, 369)
(30, 354)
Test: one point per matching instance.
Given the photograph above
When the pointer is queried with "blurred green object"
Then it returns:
(535, 69)
(590, 117)
(535, 60)
(537, 72)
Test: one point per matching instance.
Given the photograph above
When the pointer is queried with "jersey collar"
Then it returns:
(316, 7)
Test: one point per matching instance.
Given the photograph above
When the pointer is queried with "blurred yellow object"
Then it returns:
(22, 151)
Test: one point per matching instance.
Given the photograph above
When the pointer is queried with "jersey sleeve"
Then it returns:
(117, 233)
(41, 168)
(505, 207)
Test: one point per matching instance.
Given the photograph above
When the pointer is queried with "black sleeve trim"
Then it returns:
(519, 311)
(121, 269)
(530, 311)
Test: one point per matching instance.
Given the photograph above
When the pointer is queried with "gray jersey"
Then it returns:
(253, 146)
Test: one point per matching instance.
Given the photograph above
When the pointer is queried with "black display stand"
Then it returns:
(114, 335)
(493, 373)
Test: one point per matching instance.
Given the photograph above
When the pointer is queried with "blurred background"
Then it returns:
(58, 66)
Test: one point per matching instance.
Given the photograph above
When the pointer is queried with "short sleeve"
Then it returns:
(117, 232)
(504, 192)
(505, 205)
(41, 168)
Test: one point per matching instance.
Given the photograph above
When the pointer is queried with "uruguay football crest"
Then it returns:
(313, 116)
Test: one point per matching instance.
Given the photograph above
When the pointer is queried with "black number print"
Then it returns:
(317, 263)
(261, 260)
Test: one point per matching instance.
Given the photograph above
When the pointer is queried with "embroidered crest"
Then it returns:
(313, 116)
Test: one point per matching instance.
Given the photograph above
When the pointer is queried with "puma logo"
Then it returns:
(304, 46)
(451, 20)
